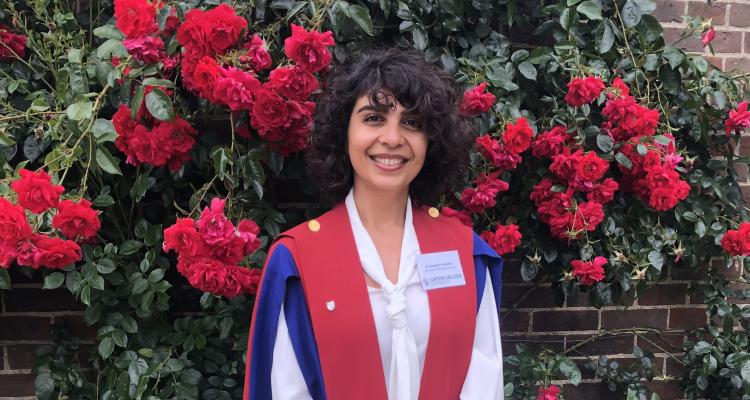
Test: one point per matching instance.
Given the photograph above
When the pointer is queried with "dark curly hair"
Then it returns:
(423, 89)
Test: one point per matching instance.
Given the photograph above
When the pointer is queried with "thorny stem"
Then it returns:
(627, 45)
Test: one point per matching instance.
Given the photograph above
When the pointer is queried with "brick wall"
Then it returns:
(542, 315)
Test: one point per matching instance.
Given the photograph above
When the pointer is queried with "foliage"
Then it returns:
(59, 99)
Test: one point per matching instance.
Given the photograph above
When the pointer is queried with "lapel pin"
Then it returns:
(331, 305)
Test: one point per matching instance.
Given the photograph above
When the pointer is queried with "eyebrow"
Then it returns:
(373, 108)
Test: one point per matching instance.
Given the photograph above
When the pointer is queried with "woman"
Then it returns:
(381, 297)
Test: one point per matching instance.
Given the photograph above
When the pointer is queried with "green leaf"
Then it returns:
(106, 347)
(129, 247)
(700, 229)
(566, 19)
(656, 258)
(44, 385)
(631, 14)
(107, 161)
(361, 16)
(419, 37)
(570, 371)
(673, 55)
(527, 70)
(103, 200)
(140, 284)
(137, 368)
(701, 347)
(103, 130)
(108, 32)
(111, 47)
(605, 143)
(159, 105)
(528, 270)
(605, 38)
(79, 110)
(590, 9)
(4, 279)
(623, 160)
(53, 280)
(105, 266)
(158, 82)
(745, 372)
(136, 101)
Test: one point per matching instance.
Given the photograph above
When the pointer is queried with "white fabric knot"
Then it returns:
(396, 309)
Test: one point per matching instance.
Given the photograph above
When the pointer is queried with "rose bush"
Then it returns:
(603, 156)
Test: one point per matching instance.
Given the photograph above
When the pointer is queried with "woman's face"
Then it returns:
(386, 149)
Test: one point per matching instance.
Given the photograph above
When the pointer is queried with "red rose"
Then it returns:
(249, 232)
(625, 118)
(618, 88)
(550, 143)
(27, 253)
(249, 279)
(505, 239)
(172, 23)
(223, 28)
(565, 164)
(733, 244)
(308, 49)
(16, 45)
(269, 111)
(192, 35)
(588, 216)
(548, 393)
(589, 272)
(149, 147)
(744, 235)
(36, 192)
(8, 255)
(663, 199)
(57, 253)
(476, 101)
(517, 137)
(583, 90)
(204, 77)
(257, 54)
(135, 18)
(708, 36)
(293, 82)
(76, 219)
(235, 89)
(293, 136)
(542, 191)
(483, 196)
(146, 49)
(604, 192)
(739, 119)
(591, 167)
(183, 238)
(213, 225)
(13, 225)
(463, 215)
(212, 276)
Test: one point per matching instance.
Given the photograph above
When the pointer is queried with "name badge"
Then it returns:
(440, 270)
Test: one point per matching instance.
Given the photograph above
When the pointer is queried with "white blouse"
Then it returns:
(402, 321)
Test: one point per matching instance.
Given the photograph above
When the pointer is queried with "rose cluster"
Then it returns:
(476, 101)
(29, 247)
(547, 393)
(736, 242)
(589, 272)
(164, 143)
(136, 19)
(739, 119)
(12, 45)
(210, 249)
(221, 63)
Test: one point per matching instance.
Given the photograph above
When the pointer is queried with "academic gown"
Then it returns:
(284, 362)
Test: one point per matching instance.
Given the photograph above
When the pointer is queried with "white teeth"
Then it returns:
(389, 161)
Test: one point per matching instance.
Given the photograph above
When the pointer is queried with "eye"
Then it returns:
(373, 118)
(413, 123)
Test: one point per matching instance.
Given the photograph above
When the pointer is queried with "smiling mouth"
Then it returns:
(389, 161)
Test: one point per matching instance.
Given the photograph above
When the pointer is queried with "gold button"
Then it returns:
(434, 213)
(313, 225)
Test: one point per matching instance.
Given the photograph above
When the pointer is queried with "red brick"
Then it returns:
(735, 63)
(23, 300)
(17, 385)
(667, 390)
(577, 299)
(684, 272)
(741, 171)
(727, 42)
(739, 15)
(666, 342)
(19, 275)
(744, 148)
(745, 190)
(589, 391)
(515, 321)
(717, 62)
(687, 318)
(674, 368)
(672, 35)
(77, 327)
(715, 11)
(623, 319)
(669, 10)
(24, 328)
(22, 356)
(541, 296)
(512, 271)
(663, 294)
(614, 344)
(536, 342)
(551, 321)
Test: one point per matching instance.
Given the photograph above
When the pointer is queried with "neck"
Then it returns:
(378, 208)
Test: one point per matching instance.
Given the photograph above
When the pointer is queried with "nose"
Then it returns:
(392, 136)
